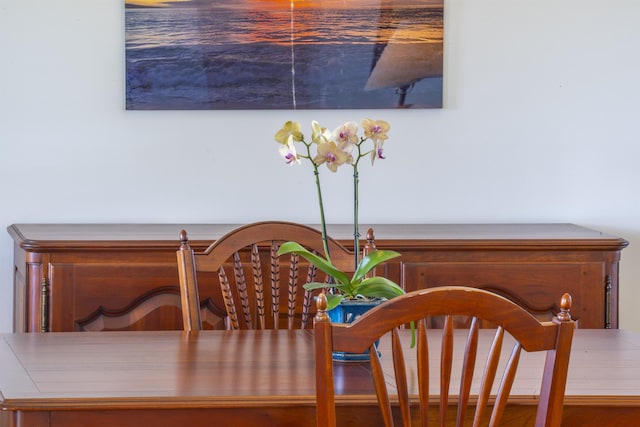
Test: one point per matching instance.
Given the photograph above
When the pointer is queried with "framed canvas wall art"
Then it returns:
(269, 54)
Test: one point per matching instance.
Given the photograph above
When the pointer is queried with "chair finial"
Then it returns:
(184, 240)
(565, 308)
(321, 305)
(369, 247)
(370, 236)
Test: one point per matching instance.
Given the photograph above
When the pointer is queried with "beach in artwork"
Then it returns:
(208, 54)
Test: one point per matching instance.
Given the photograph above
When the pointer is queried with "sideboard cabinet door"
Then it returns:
(536, 286)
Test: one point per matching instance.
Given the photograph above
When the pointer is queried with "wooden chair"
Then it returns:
(554, 337)
(247, 257)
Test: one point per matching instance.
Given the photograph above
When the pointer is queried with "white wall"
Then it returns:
(539, 125)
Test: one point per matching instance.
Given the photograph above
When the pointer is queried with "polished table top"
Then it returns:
(248, 368)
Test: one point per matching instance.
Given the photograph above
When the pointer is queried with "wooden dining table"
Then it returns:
(264, 378)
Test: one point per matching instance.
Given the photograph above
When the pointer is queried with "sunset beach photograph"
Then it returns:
(269, 54)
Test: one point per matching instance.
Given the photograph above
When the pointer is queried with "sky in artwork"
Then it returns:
(285, 4)
(154, 3)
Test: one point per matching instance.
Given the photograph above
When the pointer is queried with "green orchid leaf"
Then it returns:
(372, 260)
(413, 333)
(333, 300)
(379, 287)
(318, 285)
(318, 261)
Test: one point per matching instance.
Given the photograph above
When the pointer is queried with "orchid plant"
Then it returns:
(342, 146)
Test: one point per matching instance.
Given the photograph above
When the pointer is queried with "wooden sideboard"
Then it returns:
(69, 275)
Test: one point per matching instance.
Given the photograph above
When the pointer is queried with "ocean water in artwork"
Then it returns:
(208, 54)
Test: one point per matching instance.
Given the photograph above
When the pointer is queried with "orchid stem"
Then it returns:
(323, 223)
(356, 228)
(356, 231)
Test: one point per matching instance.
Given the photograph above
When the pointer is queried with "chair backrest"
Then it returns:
(244, 259)
(530, 334)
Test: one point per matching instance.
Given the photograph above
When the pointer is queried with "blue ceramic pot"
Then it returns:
(346, 312)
